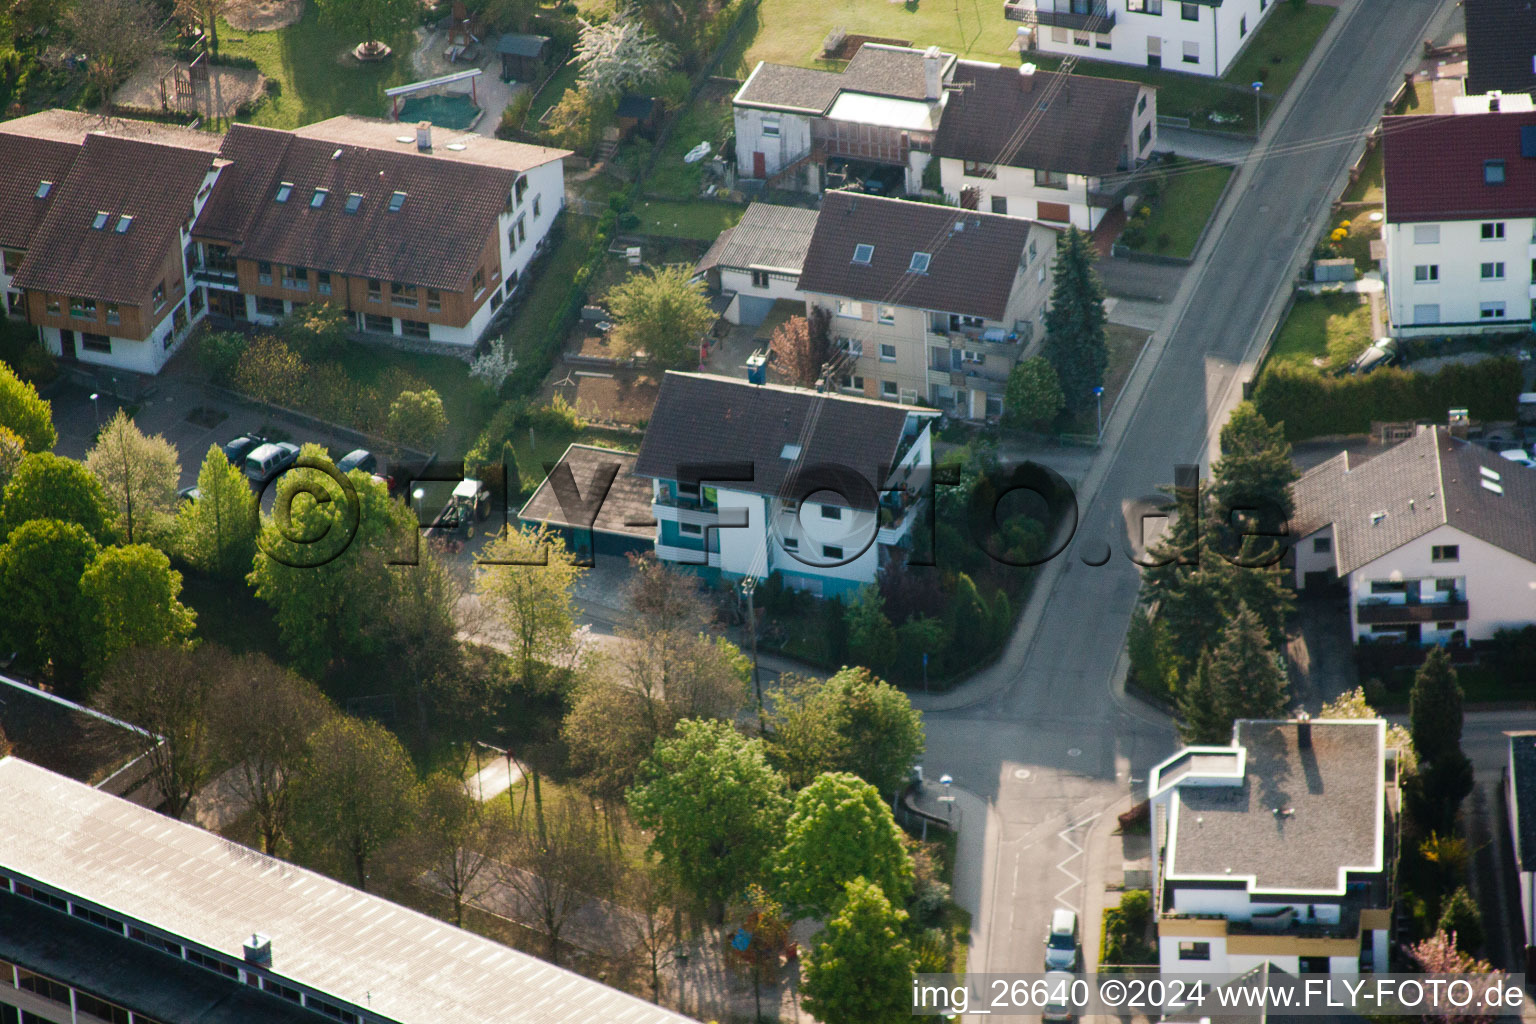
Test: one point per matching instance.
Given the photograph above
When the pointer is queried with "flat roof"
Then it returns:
(625, 509)
(885, 111)
(326, 936)
(1302, 819)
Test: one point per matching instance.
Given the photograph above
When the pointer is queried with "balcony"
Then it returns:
(217, 275)
(1079, 17)
(1380, 612)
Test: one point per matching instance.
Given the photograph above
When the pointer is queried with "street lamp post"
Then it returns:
(1098, 393)
(948, 799)
(96, 407)
(748, 587)
(1258, 115)
(416, 496)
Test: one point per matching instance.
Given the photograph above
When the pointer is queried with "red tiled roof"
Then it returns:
(153, 183)
(1434, 167)
(435, 238)
(24, 163)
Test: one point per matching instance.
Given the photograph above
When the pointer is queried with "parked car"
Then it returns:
(236, 450)
(1061, 942)
(269, 460)
(189, 494)
(1058, 987)
(358, 458)
(1381, 352)
(1519, 455)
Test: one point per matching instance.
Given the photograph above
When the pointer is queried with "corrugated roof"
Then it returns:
(1501, 37)
(1430, 480)
(878, 69)
(1075, 124)
(325, 935)
(704, 419)
(153, 184)
(767, 236)
(975, 256)
(1434, 166)
(624, 509)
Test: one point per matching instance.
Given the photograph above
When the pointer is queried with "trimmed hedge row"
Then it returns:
(1310, 404)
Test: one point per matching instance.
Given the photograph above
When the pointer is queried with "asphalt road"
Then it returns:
(1050, 748)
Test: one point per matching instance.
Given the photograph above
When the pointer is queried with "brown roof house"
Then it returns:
(1054, 148)
(1435, 539)
(928, 302)
(119, 235)
(756, 479)
(1277, 848)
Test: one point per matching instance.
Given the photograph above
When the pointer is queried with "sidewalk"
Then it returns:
(1198, 145)
(972, 818)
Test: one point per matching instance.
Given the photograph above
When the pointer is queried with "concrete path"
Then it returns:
(1217, 147)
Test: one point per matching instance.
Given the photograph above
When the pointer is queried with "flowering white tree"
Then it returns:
(495, 365)
(620, 55)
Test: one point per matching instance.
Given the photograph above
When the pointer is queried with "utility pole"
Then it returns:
(748, 586)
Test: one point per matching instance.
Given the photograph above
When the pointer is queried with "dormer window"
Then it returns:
(1493, 172)
(124, 223)
(863, 254)
(354, 202)
(43, 188)
(919, 264)
(396, 201)
(100, 221)
(318, 199)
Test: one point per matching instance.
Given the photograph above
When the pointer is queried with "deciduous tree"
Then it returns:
(560, 871)
(716, 807)
(12, 451)
(1352, 704)
(116, 35)
(1033, 396)
(374, 20)
(461, 840)
(852, 722)
(260, 722)
(134, 598)
(1463, 921)
(356, 794)
(860, 969)
(1438, 955)
(1075, 322)
(167, 692)
(45, 615)
(801, 346)
(840, 829)
(23, 411)
(528, 585)
(217, 532)
(871, 637)
(417, 417)
(205, 14)
(139, 475)
(621, 55)
(47, 486)
(661, 313)
(650, 892)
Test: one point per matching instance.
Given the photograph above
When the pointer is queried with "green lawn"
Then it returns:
(708, 120)
(548, 96)
(791, 31)
(1336, 328)
(1187, 202)
(315, 75)
(467, 401)
(541, 309)
(546, 447)
(703, 219)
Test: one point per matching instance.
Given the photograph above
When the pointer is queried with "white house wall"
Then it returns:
(547, 183)
(1220, 34)
(1309, 559)
(1459, 290)
(1500, 587)
(792, 142)
(780, 286)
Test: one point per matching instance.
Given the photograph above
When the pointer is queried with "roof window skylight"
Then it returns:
(396, 201)
(100, 221)
(863, 254)
(318, 199)
(124, 223)
(284, 190)
(919, 264)
(43, 188)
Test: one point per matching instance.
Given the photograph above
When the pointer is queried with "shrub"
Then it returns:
(269, 370)
(1125, 930)
(317, 331)
(417, 417)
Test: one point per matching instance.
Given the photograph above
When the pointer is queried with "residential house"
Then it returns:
(1435, 539)
(795, 125)
(928, 302)
(113, 912)
(754, 479)
(417, 238)
(103, 211)
(1460, 219)
(119, 235)
(1276, 849)
(1053, 148)
(1199, 37)
(1520, 803)
(1501, 46)
(757, 262)
(593, 499)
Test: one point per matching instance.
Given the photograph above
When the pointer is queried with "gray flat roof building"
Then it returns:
(164, 912)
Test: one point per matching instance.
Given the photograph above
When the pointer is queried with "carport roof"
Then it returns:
(623, 508)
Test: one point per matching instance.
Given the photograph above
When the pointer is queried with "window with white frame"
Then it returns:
(888, 389)
(1493, 231)
(1491, 311)
(887, 353)
(886, 314)
(1191, 49)
(770, 127)
(1426, 272)
(1426, 234)
(850, 309)
(1492, 271)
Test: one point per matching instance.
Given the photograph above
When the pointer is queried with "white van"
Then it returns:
(269, 460)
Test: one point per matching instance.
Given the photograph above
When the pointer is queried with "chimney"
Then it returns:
(933, 74)
(1494, 96)
(1304, 731)
(1026, 77)
(1458, 423)
(424, 136)
(258, 949)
